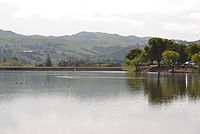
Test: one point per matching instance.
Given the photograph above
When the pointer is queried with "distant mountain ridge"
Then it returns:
(90, 45)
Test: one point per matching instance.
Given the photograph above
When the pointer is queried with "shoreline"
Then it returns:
(61, 69)
(165, 69)
(147, 69)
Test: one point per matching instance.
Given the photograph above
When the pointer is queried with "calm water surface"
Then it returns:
(99, 103)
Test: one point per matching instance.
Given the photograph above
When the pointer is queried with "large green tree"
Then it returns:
(156, 47)
(170, 57)
(136, 62)
(133, 53)
(181, 49)
(193, 49)
(196, 59)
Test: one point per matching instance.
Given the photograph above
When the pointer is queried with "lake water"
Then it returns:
(99, 103)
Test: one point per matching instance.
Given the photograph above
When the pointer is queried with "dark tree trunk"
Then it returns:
(172, 69)
(158, 63)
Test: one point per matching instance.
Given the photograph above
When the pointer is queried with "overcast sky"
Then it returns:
(177, 19)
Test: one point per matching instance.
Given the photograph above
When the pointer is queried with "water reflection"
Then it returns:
(98, 103)
(80, 85)
(165, 88)
(158, 88)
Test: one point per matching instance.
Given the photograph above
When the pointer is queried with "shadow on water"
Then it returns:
(165, 88)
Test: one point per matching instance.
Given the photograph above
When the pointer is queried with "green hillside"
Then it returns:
(85, 45)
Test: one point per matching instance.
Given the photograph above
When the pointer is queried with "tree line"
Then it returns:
(163, 50)
(61, 63)
(75, 61)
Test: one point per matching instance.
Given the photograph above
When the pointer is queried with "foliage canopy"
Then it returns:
(156, 47)
(170, 57)
(196, 59)
(133, 53)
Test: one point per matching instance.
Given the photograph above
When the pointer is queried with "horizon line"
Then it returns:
(5, 30)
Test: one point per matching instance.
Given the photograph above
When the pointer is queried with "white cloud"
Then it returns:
(60, 8)
(182, 28)
(139, 17)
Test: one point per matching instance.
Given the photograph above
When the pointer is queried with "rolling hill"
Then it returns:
(85, 45)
